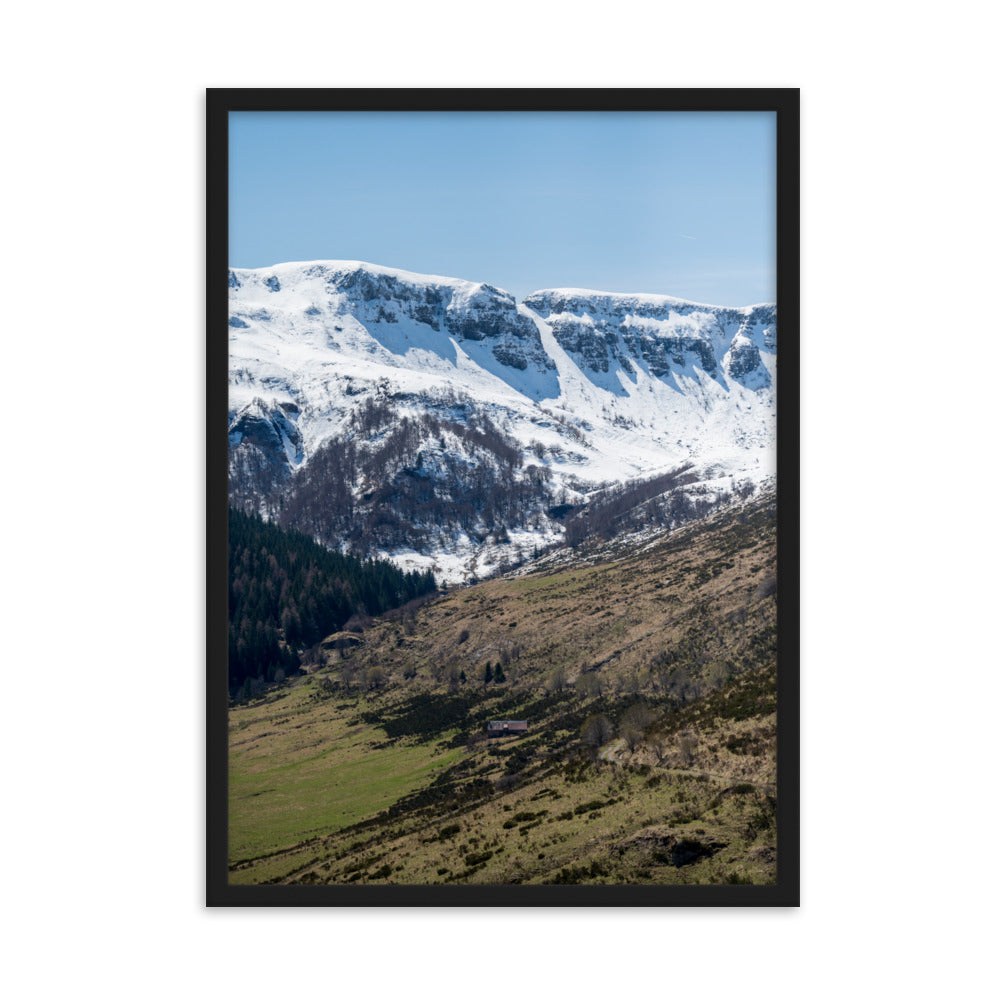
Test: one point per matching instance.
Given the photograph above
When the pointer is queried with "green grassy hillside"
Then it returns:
(647, 676)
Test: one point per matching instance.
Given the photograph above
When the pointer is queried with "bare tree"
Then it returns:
(375, 677)
(688, 744)
(597, 731)
(588, 686)
(348, 673)
(555, 683)
(634, 721)
(717, 674)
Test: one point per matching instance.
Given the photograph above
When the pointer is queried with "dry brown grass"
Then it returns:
(685, 626)
(694, 595)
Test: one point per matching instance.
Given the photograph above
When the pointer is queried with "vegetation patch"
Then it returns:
(477, 859)
(649, 756)
(592, 805)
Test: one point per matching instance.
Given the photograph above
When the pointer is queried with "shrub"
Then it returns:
(579, 873)
(477, 859)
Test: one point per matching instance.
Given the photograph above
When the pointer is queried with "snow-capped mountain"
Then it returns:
(443, 423)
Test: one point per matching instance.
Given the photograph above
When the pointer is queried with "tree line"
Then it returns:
(429, 477)
(286, 593)
(660, 502)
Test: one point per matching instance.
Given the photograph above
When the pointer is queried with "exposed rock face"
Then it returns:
(492, 315)
(270, 427)
(264, 446)
(423, 416)
(604, 331)
(742, 358)
(466, 311)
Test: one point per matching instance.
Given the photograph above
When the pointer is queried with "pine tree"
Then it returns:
(286, 592)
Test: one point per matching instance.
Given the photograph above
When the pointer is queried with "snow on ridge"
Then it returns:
(416, 278)
(312, 268)
(308, 342)
(627, 299)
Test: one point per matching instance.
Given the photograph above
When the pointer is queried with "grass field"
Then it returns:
(299, 768)
(374, 768)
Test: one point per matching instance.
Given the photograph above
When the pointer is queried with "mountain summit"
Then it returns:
(444, 424)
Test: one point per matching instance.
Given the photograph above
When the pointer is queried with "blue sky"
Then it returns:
(679, 203)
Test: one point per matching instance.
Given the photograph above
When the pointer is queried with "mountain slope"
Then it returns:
(353, 388)
(650, 751)
(286, 593)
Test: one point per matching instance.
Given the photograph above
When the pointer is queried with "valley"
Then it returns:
(644, 665)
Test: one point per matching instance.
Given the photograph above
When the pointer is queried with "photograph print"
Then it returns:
(495, 502)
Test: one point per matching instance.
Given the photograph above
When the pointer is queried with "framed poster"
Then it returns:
(498, 459)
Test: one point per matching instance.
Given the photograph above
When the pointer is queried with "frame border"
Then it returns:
(219, 102)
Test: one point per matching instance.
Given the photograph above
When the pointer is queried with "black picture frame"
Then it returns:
(785, 103)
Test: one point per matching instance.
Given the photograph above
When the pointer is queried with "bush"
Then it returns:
(477, 859)
(579, 873)
(524, 817)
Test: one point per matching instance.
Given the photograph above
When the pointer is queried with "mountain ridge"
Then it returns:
(590, 389)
